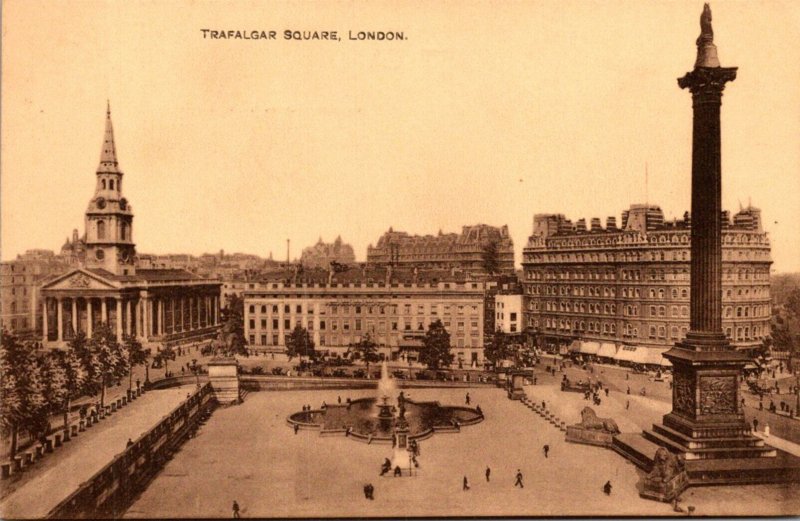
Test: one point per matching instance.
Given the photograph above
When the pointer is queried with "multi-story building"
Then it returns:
(395, 307)
(155, 305)
(20, 281)
(612, 286)
(468, 251)
(322, 254)
(508, 313)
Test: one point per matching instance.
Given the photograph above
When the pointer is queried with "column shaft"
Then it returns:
(60, 318)
(118, 318)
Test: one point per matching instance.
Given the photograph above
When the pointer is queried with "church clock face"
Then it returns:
(125, 256)
(101, 203)
(123, 203)
(100, 254)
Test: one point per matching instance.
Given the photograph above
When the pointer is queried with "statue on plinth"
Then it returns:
(592, 430)
(667, 479)
(706, 50)
(590, 420)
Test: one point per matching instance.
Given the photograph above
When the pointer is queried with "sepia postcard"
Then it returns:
(375, 259)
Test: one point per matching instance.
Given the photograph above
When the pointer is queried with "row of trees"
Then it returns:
(35, 385)
(435, 352)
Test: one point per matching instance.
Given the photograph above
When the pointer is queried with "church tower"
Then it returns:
(109, 217)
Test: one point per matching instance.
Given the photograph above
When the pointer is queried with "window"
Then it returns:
(298, 308)
(263, 323)
(252, 324)
(101, 229)
(274, 323)
(263, 340)
(286, 324)
(252, 339)
(111, 184)
(322, 325)
(286, 308)
(252, 309)
(275, 308)
(512, 317)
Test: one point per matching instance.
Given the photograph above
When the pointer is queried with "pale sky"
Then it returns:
(488, 112)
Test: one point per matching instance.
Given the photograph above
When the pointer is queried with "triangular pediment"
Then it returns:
(78, 280)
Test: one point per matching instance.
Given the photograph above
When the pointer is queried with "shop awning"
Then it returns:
(655, 356)
(607, 350)
(625, 354)
(575, 346)
(589, 348)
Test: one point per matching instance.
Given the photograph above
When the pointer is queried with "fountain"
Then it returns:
(386, 385)
(389, 418)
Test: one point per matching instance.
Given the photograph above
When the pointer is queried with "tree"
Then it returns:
(490, 257)
(65, 378)
(101, 358)
(499, 348)
(367, 350)
(436, 347)
(23, 398)
(137, 355)
(166, 353)
(299, 343)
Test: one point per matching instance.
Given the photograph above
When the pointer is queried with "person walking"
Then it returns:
(546, 449)
(755, 425)
(488, 473)
(467, 399)
(296, 428)
(465, 484)
(518, 482)
(235, 510)
(607, 488)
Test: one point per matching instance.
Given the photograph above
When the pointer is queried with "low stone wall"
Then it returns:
(286, 383)
(109, 492)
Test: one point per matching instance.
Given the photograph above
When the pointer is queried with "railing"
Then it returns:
(109, 492)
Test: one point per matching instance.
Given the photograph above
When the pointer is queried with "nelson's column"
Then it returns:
(707, 428)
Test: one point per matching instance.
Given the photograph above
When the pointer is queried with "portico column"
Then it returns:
(160, 317)
(103, 311)
(74, 316)
(189, 309)
(128, 317)
(119, 319)
(44, 319)
(89, 317)
(59, 316)
(199, 313)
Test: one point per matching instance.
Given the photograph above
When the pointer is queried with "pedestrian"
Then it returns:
(488, 473)
(130, 443)
(535, 380)
(546, 449)
(478, 409)
(629, 390)
(518, 482)
(296, 428)
(465, 485)
(627, 404)
(766, 431)
(606, 389)
(467, 398)
(397, 471)
(138, 384)
(760, 405)
(339, 399)
(607, 488)
(236, 510)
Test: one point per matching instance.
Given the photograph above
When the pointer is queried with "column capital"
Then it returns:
(707, 83)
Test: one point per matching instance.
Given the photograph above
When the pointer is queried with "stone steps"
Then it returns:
(720, 451)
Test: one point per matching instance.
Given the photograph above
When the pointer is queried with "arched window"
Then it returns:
(111, 184)
(252, 309)
(101, 230)
(124, 232)
(104, 184)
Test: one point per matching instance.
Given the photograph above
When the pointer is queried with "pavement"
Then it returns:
(59, 474)
(247, 453)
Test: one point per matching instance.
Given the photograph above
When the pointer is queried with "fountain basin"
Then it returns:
(423, 420)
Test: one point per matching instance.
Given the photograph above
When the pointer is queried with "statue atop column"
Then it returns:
(706, 50)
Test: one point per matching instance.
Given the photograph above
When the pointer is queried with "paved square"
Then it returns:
(247, 453)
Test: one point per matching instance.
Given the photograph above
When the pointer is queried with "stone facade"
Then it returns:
(631, 285)
(322, 254)
(465, 251)
(395, 309)
(20, 283)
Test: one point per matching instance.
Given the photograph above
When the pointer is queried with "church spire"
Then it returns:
(108, 154)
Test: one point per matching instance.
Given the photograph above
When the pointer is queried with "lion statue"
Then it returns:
(589, 420)
(665, 465)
